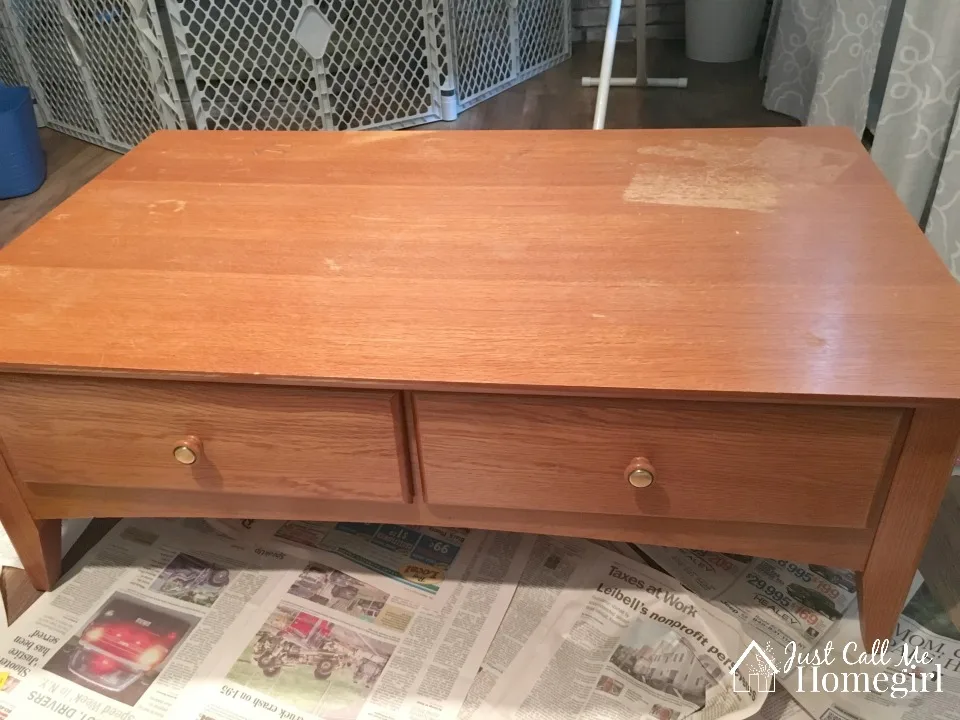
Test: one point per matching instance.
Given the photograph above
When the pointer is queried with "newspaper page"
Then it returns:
(552, 563)
(780, 705)
(329, 643)
(805, 618)
(784, 605)
(416, 559)
(123, 634)
(622, 640)
(917, 677)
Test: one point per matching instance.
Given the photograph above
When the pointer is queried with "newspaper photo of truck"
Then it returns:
(312, 662)
(192, 580)
(337, 590)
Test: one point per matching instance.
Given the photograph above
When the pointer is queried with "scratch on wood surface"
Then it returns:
(365, 137)
(178, 205)
(733, 177)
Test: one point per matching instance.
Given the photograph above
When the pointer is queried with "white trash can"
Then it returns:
(722, 31)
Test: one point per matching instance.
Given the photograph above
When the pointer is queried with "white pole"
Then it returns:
(606, 65)
(632, 82)
(667, 82)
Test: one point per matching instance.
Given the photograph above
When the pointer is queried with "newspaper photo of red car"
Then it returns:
(123, 648)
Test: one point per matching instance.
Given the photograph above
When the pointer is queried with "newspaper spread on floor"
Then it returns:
(805, 619)
(158, 614)
(594, 634)
(780, 705)
(415, 559)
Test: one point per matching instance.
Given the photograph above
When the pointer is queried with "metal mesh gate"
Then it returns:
(543, 27)
(485, 49)
(12, 64)
(296, 64)
(57, 77)
(242, 67)
(377, 70)
(502, 42)
(346, 64)
(11, 67)
(97, 67)
(100, 71)
(128, 66)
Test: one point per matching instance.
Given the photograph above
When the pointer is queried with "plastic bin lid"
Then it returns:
(12, 98)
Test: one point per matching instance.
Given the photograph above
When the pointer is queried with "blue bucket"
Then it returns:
(22, 165)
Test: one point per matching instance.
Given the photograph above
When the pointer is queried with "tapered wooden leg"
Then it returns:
(37, 542)
(914, 498)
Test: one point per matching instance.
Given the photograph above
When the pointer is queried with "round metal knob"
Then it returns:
(188, 450)
(640, 473)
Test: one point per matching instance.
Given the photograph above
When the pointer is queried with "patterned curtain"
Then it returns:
(820, 66)
(918, 136)
(943, 227)
(822, 59)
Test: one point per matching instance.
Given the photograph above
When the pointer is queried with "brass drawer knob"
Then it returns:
(188, 450)
(640, 473)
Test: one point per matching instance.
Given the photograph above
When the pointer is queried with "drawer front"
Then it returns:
(253, 439)
(794, 465)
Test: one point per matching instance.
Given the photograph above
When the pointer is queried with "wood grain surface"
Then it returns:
(768, 261)
(794, 465)
(290, 442)
(922, 474)
(840, 547)
(18, 591)
(37, 542)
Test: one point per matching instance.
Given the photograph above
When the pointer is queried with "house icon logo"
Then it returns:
(758, 670)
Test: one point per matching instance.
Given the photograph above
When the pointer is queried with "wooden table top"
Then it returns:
(769, 262)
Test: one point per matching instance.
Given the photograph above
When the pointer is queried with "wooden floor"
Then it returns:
(717, 96)
(71, 163)
(727, 95)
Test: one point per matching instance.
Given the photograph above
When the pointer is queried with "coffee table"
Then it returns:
(735, 340)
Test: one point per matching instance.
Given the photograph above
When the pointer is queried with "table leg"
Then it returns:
(916, 491)
(37, 542)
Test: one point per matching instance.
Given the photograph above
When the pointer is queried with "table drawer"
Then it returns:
(796, 465)
(254, 439)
